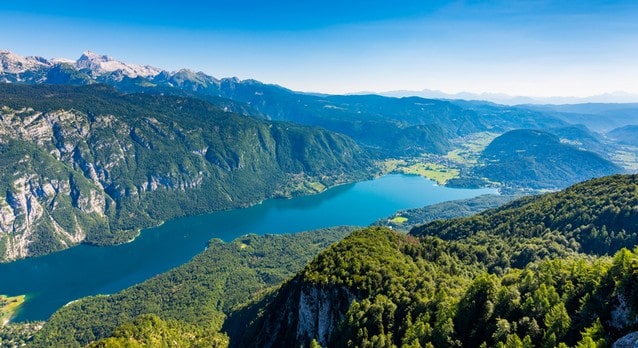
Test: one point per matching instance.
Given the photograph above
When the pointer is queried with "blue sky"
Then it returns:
(530, 47)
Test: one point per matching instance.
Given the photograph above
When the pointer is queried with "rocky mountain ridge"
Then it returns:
(13, 65)
(390, 126)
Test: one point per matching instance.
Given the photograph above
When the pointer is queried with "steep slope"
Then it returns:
(46, 205)
(379, 288)
(533, 158)
(131, 161)
(599, 217)
(198, 294)
(625, 135)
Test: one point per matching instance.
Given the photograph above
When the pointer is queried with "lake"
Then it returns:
(53, 280)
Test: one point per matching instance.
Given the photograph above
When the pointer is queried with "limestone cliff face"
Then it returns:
(86, 164)
(627, 341)
(301, 312)
(320, 311)
(622, 316)
(44, 203)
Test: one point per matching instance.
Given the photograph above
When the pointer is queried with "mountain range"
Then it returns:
(538, 159)
(95, 149)
(390, 126)
(133, 145)
(502, 98)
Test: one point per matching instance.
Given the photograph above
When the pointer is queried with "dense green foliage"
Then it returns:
(391, 126)
(197, 294)
(523, 275)
(584, 139)
(18, 334)
(149, 330)
(537, 159)
(595, 217)
(149, 158)
(445, 210)
(514, 276)
(421, 293)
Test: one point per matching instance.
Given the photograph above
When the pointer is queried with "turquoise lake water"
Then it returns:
(54, 280)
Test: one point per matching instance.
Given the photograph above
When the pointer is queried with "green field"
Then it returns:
(398, 220)
(626, 158)
(437, 172)
(433, 171)
(468, 149)
(8, 307)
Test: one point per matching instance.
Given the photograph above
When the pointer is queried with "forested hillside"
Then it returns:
(194, 298)
(596, 217)
(406, 219)
(379, 288)
(538, 159)
(455, 285)
(532, 273)
(88, 164)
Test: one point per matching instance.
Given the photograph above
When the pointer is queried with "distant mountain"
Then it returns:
(15, 68)
(583, 138)
(501, 98)
(600, 117)
(99, 65)
(533, 158)
(389, 126)
(500, 118)
(89, 164)
(404, 220)
(625, 135)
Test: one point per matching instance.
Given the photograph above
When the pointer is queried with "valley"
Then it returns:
(98, 270)
(524, 284)
(153, 207)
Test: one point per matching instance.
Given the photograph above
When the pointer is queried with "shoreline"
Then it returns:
(9, 306)
(241, 206)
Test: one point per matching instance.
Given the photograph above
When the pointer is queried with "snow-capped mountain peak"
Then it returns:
(12, 63)
(62, 61)
(103, 64)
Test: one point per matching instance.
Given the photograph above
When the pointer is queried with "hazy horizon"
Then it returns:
(530, 48)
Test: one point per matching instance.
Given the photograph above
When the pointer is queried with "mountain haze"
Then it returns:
(625, 135)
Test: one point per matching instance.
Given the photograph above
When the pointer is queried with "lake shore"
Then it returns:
(9, 305)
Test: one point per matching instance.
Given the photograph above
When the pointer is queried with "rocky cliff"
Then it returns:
(87, 164)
